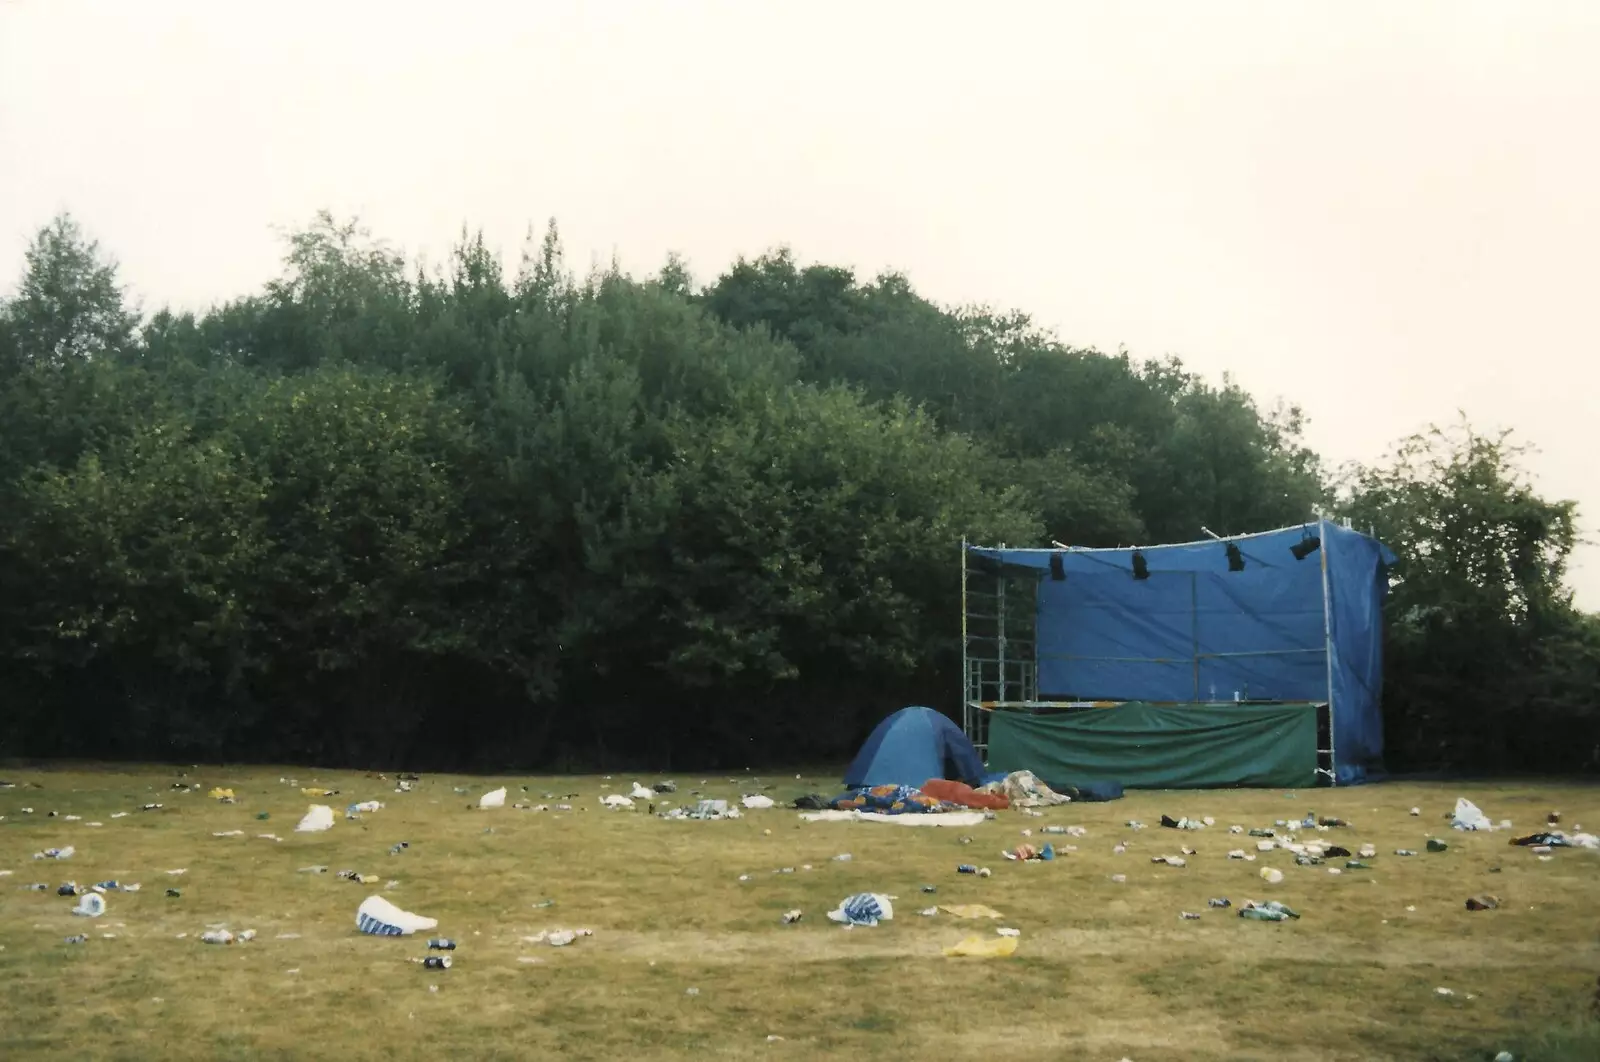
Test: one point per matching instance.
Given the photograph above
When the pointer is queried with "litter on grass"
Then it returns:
(380, 918)
(318, 817)
(976, 947)
(863, 909)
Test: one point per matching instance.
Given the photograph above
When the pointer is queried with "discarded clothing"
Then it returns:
(889, 800)
(1557, 839)
(810, 802)
(1027, 791)
(1095, 792)
(963, 795)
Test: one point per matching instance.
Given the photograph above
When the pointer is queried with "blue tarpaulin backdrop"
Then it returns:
(1196, 631)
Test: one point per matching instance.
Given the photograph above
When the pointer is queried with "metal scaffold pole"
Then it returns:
(966, 664)
(1327, 648)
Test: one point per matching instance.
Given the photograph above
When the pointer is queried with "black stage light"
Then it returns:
(1305, 547)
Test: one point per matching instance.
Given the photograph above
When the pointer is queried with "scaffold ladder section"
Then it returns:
(999, 654)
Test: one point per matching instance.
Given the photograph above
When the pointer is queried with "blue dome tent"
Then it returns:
(912, 746)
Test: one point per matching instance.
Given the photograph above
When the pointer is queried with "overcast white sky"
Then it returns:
(1383, 212)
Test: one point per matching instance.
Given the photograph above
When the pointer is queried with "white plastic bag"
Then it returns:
(493, 799)
(93, 905)
(380, 918)
(1468, 817)
(318, 817)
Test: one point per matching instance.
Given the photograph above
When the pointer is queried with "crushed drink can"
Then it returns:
(441, 944)
(1189, 916)
(1404, 852)
(69, 889)
(1221, 901)
(966, 868)
(173, 894)
(437, 962)
(1052, 829)
(38, 887)
(78, 938)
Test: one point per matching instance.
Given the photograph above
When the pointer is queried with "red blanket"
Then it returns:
(963, 794)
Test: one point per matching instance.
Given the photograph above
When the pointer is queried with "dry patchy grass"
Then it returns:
(1104, 971)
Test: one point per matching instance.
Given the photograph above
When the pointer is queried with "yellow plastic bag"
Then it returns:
(221, 794)
(976, 947)
(971, 910)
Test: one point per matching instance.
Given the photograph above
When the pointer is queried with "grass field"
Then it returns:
(1104, 970)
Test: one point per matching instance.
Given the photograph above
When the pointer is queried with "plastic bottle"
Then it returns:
(1262, 914)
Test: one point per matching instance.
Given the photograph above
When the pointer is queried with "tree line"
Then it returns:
(383, 515)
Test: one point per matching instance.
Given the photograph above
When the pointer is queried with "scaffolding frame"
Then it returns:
(1000, 652)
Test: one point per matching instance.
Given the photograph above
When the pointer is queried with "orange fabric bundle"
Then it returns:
(961, 793)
